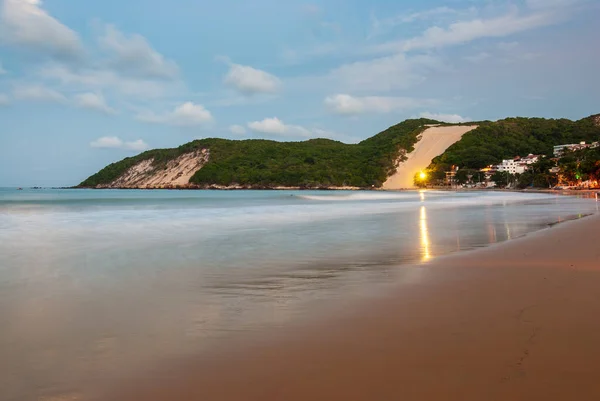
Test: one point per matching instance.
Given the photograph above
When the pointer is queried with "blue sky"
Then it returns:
(85, 83)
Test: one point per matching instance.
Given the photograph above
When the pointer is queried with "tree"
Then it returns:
(463, 174)
(495, 141)
(502, 178)
(323, 162)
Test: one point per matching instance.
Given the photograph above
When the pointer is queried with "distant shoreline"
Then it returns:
(241, 188)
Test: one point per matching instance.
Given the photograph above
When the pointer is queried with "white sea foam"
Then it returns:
(360, 196)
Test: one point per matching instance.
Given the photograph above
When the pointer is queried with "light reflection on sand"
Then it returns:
(508, 235)
(424, 235)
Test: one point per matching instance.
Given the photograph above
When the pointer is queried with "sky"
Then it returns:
(86, 83)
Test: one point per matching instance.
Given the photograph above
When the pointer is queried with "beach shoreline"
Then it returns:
(512, 321)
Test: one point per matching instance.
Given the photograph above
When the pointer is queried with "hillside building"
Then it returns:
(518, 165)
(559, 150)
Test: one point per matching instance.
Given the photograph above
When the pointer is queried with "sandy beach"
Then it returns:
(434, 141)
(514, 321)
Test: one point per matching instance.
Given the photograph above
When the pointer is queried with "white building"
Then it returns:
(518, 165)
(512, 166)
(530, 159)
(559, 150)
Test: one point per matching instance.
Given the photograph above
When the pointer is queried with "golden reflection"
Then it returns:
(491, 228)
(425, 244)
(422, 195)
(492, 236)
(508, 234)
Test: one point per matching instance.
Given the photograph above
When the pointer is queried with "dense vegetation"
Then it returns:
(581, 166)
(494, 141)
(574, 169)
(263, 163)
(325, 163)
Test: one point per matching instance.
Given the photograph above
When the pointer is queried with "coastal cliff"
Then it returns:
(384, 160)
(175, 173)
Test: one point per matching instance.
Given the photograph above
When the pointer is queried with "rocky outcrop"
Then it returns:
(175, 173)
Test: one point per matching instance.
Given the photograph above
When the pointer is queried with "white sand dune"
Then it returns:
(434, 141)
(177, 172)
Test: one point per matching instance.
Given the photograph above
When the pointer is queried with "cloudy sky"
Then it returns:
(85, 83)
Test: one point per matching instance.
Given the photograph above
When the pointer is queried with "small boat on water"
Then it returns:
(19, 189)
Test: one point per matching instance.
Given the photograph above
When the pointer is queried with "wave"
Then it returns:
(450, 197)
(361, 196)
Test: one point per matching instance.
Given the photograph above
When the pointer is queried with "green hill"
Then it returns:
(260, 163)
(494, 141)
(325, 163)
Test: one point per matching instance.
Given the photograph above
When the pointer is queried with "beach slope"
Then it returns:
(516, 321)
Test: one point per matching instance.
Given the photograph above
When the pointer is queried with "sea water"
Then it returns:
(96, 284)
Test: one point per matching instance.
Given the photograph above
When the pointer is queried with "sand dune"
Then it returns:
(434, 141)
(177, 172)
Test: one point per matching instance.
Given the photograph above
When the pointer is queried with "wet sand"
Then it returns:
(514, 321)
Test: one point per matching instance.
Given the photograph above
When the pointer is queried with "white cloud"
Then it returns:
(381, 26)
(186, 114)
(114, 142)
(352, 105)
(449, 118)
(134, 56)
(107, 142)
(275, 126)
(383, 74)
(2, 70)
(478, 58)
(4, 100)
(541, 4)
(249, 80)
(103, 79)
(422, 15)
(38, 93)
(268, 126)
(466, 31)
(138, 145)
(237, 129)
(129, 67)
(345, 104)
(25, 23)
(93, 101)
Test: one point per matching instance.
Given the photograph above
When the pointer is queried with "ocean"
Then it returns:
(97, 284)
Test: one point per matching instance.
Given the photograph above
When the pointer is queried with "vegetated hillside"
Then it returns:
(263, 163)
(582, 165)
(494, 141)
